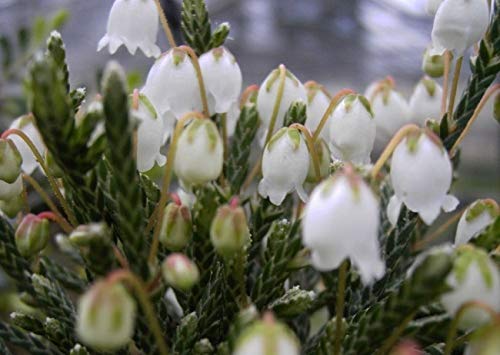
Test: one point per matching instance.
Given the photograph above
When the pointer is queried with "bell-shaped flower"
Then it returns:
(180, 272)
(426, 101)
(150, 135)
(479, 215)
(10, 161)
(421, 174)
(459, 24)
(200, 153)
(317, 104)
(474, 277)
(32, 235)
(172, 85)
(106, 316)
(352, 130)
(133, 23)
(341, 221)
(324, 161)
(293, 90)
(176, 230)
(223, 79)
(285, 164)
(431, 6)
(433, 65)
(27, 125)
(9, 191)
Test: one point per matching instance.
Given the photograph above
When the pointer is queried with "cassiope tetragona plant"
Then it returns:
(186, 214)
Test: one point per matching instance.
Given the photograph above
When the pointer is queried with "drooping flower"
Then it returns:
(285, 164)
(474, 277)
(176, 229)
(341, 221)
(352, 130)
(180, 272)
(317, 104)
(32, 235)
(27, 125)
(425, 102)
(200, 153)
(10, 161)
(223, 79)
(106, 316)
(172, 85)
(9, 191)
(133, 23)
(459, 24)
(293, 90)
(476, 217)
(421, 174)
(433, 65)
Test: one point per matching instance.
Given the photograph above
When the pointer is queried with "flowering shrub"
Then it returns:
(271, 231)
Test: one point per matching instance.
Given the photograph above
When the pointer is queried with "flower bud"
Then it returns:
(229, 232)
(433, 65)
(12, 206)
(10, 191)
(32, 235)
(10, 161)
(474, 277)
(222, 76)
(133, 23)
(324, 161)
(425, 103)
(266, 98)
(106, 316)
(27, 125)
(421, 174)
(352, 130)
(341, 221)
(86, 233)
(459, 24)
(176, 229)
(317, 104)
(200, 154)
(285, 165)
(180, 272)
(485, 341)
(479, 215)
(172, 85)
(267, 337)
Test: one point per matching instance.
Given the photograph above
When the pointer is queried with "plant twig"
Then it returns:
(312, 148)
(199, 75)
(165, 25)
(339, 307)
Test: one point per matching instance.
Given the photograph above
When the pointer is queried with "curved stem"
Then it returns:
(492, 90)
(384, 84)
(333, 104)
(446, 79)
(339, 307)
(431, 237)
(165, 25)
(52, 180)
(389, 343)
(312, 148)
(199, 75)
(454, 324)
(253, 173)
(223, 125)
(166, 183)
(147, 307)
(398, 137)
(277, 102)
(247, 93)
(454, 87)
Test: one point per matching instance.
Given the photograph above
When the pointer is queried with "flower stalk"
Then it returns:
(312, 148)
(454, 87)
(446, 79)
(165, 25)
(339, 307)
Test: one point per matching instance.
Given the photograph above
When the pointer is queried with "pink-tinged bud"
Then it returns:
(180, 272)
(32, 235)
(176, 229)
(10, 161)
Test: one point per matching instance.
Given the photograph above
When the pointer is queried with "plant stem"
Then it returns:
(277, 102)
(165, 25)
(454, 87)
(442, 228)
(166, 183)
(339, 307)
(199, 76)
(247, 93)
(458, 315)
(240, 264)
(383, 85)
(333, 104)
(312, 148)
(446, 79)
(393, 143)
(52, 180)
(147, 307)
(492, 90)
(223, 125)
(389, 343)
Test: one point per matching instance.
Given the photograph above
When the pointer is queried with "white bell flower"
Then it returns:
(150, 135)
(341, 221)
(133, 23)
(222, 76)
(285, 164)
(200, 153)
(421, 174)
(431, 6)
(317, 104)
(479, 215)
(474, 277)
(9, 191)
(352, 130)
(426, 101)
(266, 98)
(27, 125)
(458, 25)
(172, 85)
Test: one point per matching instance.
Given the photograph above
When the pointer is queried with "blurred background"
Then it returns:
(339, 43)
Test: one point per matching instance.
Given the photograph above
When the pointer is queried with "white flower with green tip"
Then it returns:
(475, 219)
(317, 104)
(391, 112)
(425, 102)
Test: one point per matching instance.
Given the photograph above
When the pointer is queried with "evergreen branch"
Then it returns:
(296, 114)
(195, 25)
(67, 278)
(186, 334)
(28, 341)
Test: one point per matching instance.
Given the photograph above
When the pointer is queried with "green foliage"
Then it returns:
(296, 114)
(36, 345)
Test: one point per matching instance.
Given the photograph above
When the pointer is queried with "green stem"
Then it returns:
(223, 125)
(446, 79)
(454, 87)
(339, 307)
(312, 149)
(277, 102)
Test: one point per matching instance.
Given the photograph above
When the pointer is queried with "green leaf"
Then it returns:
(296, 114)
(219, 35)
(32, 343)
(195, 25)
(186, 334)
(54, 270)
(294, 302)
(39, 30)
(59, 19)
